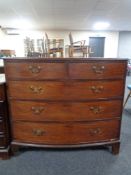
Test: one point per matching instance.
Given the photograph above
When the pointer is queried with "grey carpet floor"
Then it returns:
(34, 161)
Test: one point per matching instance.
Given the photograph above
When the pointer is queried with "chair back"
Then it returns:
(46, 36)
(71, 38)
(47, 45)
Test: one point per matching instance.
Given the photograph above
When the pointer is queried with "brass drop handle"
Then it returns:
(38, 132)
(98, 70)
(96, 109)
(95, 131)
(35, 69)
(37, 110)
(97, 89)
(36, 90)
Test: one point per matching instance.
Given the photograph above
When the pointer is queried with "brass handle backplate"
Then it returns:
(96, 109)
(37, 110)
(36, 90)
(97, 89)
(95, 131)
(35, 69)
(38, 132)
(98, 70)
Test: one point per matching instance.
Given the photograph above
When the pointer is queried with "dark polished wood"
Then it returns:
(65, 102)
(2, 92)
(4, 124)
(69, 90)
(65, 111)
(36, 70)
(97, 70)
(76, 133)
(47, 70)
(116, 148)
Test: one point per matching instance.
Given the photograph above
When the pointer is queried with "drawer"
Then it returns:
(72, 90)
(2, 108)
(36, 70)
(77, 133)
(2, 92)
(2, 126)
(100, 70)
(2, 141)
(65, 111)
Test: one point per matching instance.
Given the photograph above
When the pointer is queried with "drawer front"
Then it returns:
(97, 70)
(2, 94)
(65, 111)
(65, 133)
(36, 70)
(2, 141)
(65, 90)
(2, 108)
(2, 126)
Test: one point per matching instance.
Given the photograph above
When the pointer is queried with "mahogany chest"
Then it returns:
(66, 102)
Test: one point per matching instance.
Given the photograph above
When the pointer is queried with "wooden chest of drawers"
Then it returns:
(4, 124)
(66, 102)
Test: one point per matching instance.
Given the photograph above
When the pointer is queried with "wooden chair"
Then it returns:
(77, 46)
(54, 46)
(129, 94)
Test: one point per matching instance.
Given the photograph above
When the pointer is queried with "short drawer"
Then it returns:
(65, 111)
(77, 133)
(97, 70)
(72, 90)
(36, 70)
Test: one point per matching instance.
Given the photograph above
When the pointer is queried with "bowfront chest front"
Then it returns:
(66, 102)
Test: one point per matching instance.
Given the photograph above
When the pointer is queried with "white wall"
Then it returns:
(16, 42)
(124, 49)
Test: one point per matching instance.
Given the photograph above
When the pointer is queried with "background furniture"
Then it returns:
(75, 103)
(4, 124)
(34, 47)
(129, 68)
(7, 53)
(129, 94)
(54, 46)
(77, 46)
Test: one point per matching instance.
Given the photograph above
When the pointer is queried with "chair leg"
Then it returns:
(127, 98)
(70, 52)
(62, 54)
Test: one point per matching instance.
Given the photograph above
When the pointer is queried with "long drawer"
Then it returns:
(76, 133)
(65, 111)
(71, 90)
